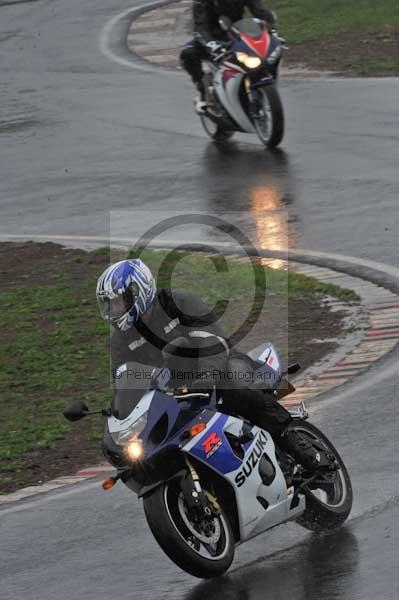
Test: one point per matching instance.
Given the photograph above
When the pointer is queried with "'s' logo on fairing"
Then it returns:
(211, 444)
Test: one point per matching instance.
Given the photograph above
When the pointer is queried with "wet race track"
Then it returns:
(86, 141)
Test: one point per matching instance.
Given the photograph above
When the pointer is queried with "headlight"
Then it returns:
(122, 438)
(135, 449)
(241, 56)
(251, 62)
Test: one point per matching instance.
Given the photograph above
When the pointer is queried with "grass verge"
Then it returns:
(355, 37)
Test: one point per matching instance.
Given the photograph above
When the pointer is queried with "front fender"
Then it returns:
(146, 489)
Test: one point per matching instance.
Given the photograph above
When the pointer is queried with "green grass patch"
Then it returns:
(218, 278)
(306, 20)
(55, 346)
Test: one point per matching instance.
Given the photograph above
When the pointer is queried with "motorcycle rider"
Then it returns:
(209, 37)
(154, 327)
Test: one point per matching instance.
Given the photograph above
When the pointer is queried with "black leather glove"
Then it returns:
(217, 49)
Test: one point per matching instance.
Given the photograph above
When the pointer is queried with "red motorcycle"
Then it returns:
(241, 83)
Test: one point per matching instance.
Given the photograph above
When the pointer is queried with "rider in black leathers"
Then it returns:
(206, 15)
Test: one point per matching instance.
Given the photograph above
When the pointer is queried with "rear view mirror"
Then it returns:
(225, 23)
(76, 411)
(294, 368)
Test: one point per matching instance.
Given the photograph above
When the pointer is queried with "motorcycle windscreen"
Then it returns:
(131, 382)
(249, 27)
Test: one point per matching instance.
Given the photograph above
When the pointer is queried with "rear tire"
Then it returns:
(327, 506)
(270, 128)
(165, 513)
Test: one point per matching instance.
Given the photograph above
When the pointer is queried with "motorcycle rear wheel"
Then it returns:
(204, 552)
(329, 498)
(269, 124)
(215, 131)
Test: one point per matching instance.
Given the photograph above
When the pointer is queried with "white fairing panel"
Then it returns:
(228, 95)
(274, 506)
(115, 425)
(248, 486)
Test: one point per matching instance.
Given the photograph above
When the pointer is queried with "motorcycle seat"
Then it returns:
(252, 372)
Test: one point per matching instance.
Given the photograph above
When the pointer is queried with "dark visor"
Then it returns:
(113, 309)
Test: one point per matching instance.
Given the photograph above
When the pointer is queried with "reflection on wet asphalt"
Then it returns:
(255, 189)
(324, 568)
(358, 562)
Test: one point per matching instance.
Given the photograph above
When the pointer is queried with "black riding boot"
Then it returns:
(300, 447)
(200, 101)
(201, 90)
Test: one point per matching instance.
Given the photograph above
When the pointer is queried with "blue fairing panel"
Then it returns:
(214, 449)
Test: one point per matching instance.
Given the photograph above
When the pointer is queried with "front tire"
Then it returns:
(203, 553)
(215, 131)
(269, 123)
(329, 498)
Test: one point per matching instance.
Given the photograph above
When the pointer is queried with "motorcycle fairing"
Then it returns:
(228, 79)
(160, 406)
(213, 447)
(259, 506)
(229, 95)
(259, 46)
(274, 44)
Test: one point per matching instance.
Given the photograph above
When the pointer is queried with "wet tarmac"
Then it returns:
(336, 566)
(83, 138)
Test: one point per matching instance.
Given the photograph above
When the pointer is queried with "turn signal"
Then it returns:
(109, 483)
(196, 429)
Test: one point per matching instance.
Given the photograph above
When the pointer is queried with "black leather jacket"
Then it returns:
(207, 12)
(182, 315)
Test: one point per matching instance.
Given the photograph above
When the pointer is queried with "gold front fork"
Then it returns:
(194, 475)
(197, 485)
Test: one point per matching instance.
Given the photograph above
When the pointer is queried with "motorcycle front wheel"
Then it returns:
(269, 121)
(215, 131)
(203, 548)
(329, 496)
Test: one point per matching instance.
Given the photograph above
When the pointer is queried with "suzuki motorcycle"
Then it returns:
(210, 481)
(241, 83)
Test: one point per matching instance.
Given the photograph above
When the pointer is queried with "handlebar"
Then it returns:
(192, 395)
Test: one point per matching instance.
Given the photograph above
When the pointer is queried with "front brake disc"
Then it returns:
(205, 538)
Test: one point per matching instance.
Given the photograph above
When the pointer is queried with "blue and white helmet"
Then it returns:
(125, 291)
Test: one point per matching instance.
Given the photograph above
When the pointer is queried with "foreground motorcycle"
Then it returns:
(210, 481)
(240, 83)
